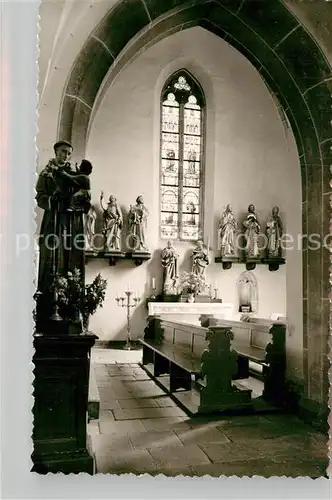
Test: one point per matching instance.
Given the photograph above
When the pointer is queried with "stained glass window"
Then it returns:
(182, 136)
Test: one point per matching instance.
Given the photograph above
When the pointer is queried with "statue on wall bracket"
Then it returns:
(137, 218)
(274, 233)
(228, 230)
(252, 230)
(112, 228)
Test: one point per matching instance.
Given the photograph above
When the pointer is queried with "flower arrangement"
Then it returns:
(192, 283)
(69, 292)
(94, 295)
(72, 298)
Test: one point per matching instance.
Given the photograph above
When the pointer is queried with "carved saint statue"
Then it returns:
(252, 230)
(274, 233)
(169, 259)
(200, 259)
(89, 227)
(112, 223)
(64, 195)
(228, 228)
(138, 215)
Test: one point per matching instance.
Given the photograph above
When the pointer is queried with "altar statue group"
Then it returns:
(113, 225)
(229, 232)
(200, 259)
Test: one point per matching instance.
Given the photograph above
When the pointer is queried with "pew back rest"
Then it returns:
(255, 332)
(185, 336)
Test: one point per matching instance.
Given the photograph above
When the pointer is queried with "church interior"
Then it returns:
(191, 112)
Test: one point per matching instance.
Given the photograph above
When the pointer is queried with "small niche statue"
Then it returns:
(200, 259)
(138, 215)
(228, 228)
(89, 226)
(112, 223)
(169, 259)
(274, 234)
(252, 230)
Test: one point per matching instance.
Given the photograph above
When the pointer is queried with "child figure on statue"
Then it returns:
(73, 188)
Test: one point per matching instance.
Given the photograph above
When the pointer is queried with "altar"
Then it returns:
(190, 312)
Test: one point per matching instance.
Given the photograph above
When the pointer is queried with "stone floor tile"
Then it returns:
(133, 413)
(101, 371)
(123, 427)
(138, 370)
(241, 468)
(103, 381)
(109, 404)
(140, 385)
(121, 377)
(106, 416)
(105, 444)
(294, 467)
(125, 462)
(290, 446)
(141, 377)
(202, 436)
(154, 392)
(165, 401)
(230, 452)
(138, 403)
(259, 432)
(157, 424)
(155, 439)
(113, 383)
(175, 456)
(174, 471)
(114, 356)
(110, 395)
(93, 427)
(244, 420)
(282, 418)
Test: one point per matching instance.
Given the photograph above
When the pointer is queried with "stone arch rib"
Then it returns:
(293, 65)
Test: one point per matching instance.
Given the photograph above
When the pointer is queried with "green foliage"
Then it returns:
(94, 295)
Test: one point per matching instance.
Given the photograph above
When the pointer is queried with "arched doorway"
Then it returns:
(297, 71)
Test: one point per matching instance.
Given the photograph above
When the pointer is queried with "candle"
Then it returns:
(208, 243)
(153, 283)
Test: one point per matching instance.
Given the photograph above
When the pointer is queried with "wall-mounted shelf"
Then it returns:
(115, 256)
(250, 264)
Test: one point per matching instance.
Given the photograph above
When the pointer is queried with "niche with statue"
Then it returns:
(247, 292)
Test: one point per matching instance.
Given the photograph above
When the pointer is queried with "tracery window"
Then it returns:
(182, 150)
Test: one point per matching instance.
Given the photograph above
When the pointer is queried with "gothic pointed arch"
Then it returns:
(282, 50)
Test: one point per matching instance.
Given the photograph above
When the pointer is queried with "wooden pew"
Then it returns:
(177, 354)
(259, 342)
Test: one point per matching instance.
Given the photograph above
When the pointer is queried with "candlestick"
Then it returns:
(126, 302)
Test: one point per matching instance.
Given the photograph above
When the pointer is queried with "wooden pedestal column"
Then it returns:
(62, 364)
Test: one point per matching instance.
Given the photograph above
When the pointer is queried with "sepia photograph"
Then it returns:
(183, 236)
